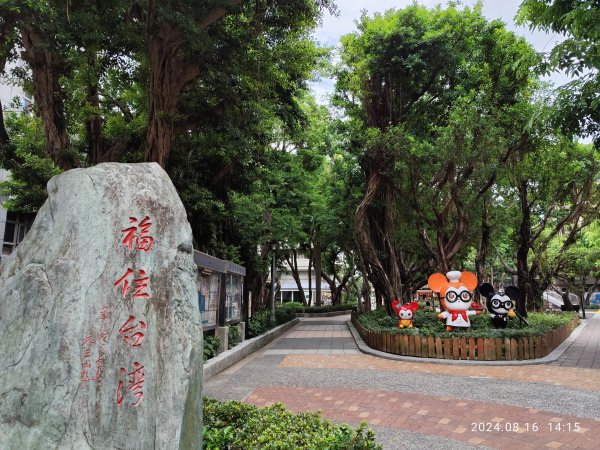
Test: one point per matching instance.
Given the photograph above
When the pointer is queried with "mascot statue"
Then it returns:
(455, 290)
(405, 313)
(501, 304)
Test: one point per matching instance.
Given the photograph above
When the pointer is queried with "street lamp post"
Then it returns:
(273, 248)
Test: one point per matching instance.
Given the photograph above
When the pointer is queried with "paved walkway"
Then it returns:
(316, 366)
(585, 351)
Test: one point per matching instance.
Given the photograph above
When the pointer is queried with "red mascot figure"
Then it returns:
(405, 313)
(455, 290)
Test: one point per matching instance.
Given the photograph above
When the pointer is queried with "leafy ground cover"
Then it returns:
(427, 324)
(239, 426)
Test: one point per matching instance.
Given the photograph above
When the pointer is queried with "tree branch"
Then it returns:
(511, 270)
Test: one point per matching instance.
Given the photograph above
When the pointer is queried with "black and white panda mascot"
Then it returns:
(501, 304)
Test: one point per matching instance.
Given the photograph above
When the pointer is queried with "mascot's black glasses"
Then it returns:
(506, 305)
(453, 296)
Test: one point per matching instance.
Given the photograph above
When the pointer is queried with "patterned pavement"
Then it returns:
(585, 351)
(417, 405)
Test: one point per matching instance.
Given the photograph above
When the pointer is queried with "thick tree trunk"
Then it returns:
(318, 301)
(169, 72)
(93, 127)
(525, 282)
(310, 258)
(484, 246)
(292, 261)
(380, 276)
(257, 286)
(49, 98)
(378, 300)
(335, 290)
(4, 138)
(365, 289)
(484, 243)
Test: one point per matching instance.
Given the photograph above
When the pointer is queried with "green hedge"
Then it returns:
(234, 337)
(212, 344)
(318, 309)
(239, 426)
(427, 324)
(261, 322)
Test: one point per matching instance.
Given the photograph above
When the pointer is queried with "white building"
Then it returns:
(289, 288)
(11, 90)
(13, 226)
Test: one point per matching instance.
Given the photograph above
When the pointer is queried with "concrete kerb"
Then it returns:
(550, 358)
(229, 357)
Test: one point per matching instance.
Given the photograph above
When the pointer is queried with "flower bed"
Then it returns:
(481, 344)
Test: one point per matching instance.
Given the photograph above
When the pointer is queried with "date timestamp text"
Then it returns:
(520, 427)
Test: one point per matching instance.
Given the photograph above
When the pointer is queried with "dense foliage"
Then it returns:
(428, 324)
(261, 321)
(578, 108)
(234, 337)
(239, 426)
(212, 346)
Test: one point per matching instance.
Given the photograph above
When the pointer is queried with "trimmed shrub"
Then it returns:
(274, 427)
(285, 312)
(427, 324)
(234, 337)
(330, 308)
(212, 344)
(296, 306)
(259, 323)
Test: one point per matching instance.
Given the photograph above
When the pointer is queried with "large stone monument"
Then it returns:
(100, 332)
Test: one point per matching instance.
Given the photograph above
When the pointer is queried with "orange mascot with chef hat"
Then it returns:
(455, 290)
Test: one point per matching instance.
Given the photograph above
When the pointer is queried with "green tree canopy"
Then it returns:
(578, 55)
(438, 98)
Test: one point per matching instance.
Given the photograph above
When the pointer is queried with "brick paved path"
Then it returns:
(316, 366)
(469, 421)
(585, 351)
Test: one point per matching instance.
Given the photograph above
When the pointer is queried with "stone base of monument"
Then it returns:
(223, 334)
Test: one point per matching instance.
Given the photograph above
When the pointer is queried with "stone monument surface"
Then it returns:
(100, 332)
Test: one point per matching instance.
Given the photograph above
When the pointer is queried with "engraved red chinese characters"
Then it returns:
(138, 235)
(133, 331)
(135, 382)
(87, 344)
(139, 284)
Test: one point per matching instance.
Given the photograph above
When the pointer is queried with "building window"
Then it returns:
(209, 287)
(15, 229)
(233, 298)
